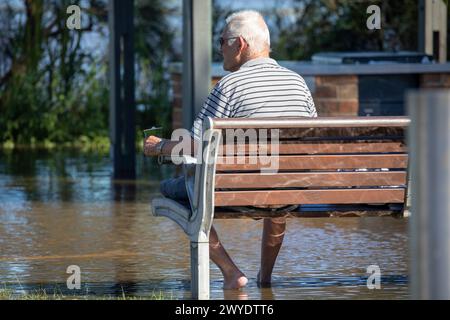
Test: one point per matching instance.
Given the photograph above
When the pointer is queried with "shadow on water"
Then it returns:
(62, 208)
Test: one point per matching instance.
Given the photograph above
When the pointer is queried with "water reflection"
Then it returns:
(62, 208)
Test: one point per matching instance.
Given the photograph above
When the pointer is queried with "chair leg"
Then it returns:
(200, 270)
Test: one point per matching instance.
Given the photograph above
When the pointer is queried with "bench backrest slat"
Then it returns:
(287, 147)
(325, 134)
(289, 197)
(308, 180)
(315, 162)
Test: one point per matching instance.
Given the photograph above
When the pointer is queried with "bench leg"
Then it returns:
(200, 270)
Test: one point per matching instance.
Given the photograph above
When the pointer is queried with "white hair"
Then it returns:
(250, 25)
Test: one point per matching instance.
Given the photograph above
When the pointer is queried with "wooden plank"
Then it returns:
(310, 180)
(317, 147)
(308, 134)
(316, 162)
(314, 211)
(296, 214)
(369, 133)
(286, 197)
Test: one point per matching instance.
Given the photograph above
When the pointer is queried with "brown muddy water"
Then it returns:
(62, 208)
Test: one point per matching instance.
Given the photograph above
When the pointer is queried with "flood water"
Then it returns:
(62, 208)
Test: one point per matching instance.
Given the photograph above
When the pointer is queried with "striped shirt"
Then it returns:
(260, 88)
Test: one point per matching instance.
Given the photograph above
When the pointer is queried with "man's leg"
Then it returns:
(175, 189)
(272, 239)
(233, 278)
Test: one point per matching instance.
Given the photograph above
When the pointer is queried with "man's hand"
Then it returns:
(150, 146)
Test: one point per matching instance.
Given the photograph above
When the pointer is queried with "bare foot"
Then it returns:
(237, 282)
(264, 283)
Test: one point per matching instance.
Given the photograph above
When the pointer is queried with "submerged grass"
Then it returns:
(57, 294)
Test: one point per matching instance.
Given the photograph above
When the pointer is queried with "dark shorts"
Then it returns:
(175, 189)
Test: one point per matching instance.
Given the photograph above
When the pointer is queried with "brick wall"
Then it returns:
(177, 104)
(336, 95)
(435, 80)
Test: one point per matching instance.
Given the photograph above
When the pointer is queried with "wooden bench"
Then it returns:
(331, 167)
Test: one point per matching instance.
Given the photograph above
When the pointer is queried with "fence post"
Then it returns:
(429, 141)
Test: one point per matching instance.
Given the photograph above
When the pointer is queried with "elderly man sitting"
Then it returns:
(256, 87)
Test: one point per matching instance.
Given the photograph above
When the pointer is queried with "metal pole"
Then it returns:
(121, 101)
(429, 141)
(197, 57)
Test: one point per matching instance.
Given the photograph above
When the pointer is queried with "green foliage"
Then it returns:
(153, 45)
(54, 89)
(340, 25)
(23, 110)
(313, 26)
(31, 115)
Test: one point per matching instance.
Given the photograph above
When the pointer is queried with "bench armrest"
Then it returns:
(173, 210)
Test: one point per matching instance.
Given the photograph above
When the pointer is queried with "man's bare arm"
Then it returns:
(152, 145)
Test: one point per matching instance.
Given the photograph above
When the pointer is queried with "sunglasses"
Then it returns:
(222, 40)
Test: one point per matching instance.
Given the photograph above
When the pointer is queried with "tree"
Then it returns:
(220, 13)
(154, 50)
(54, 81)
(44, 72)
(340, 25)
